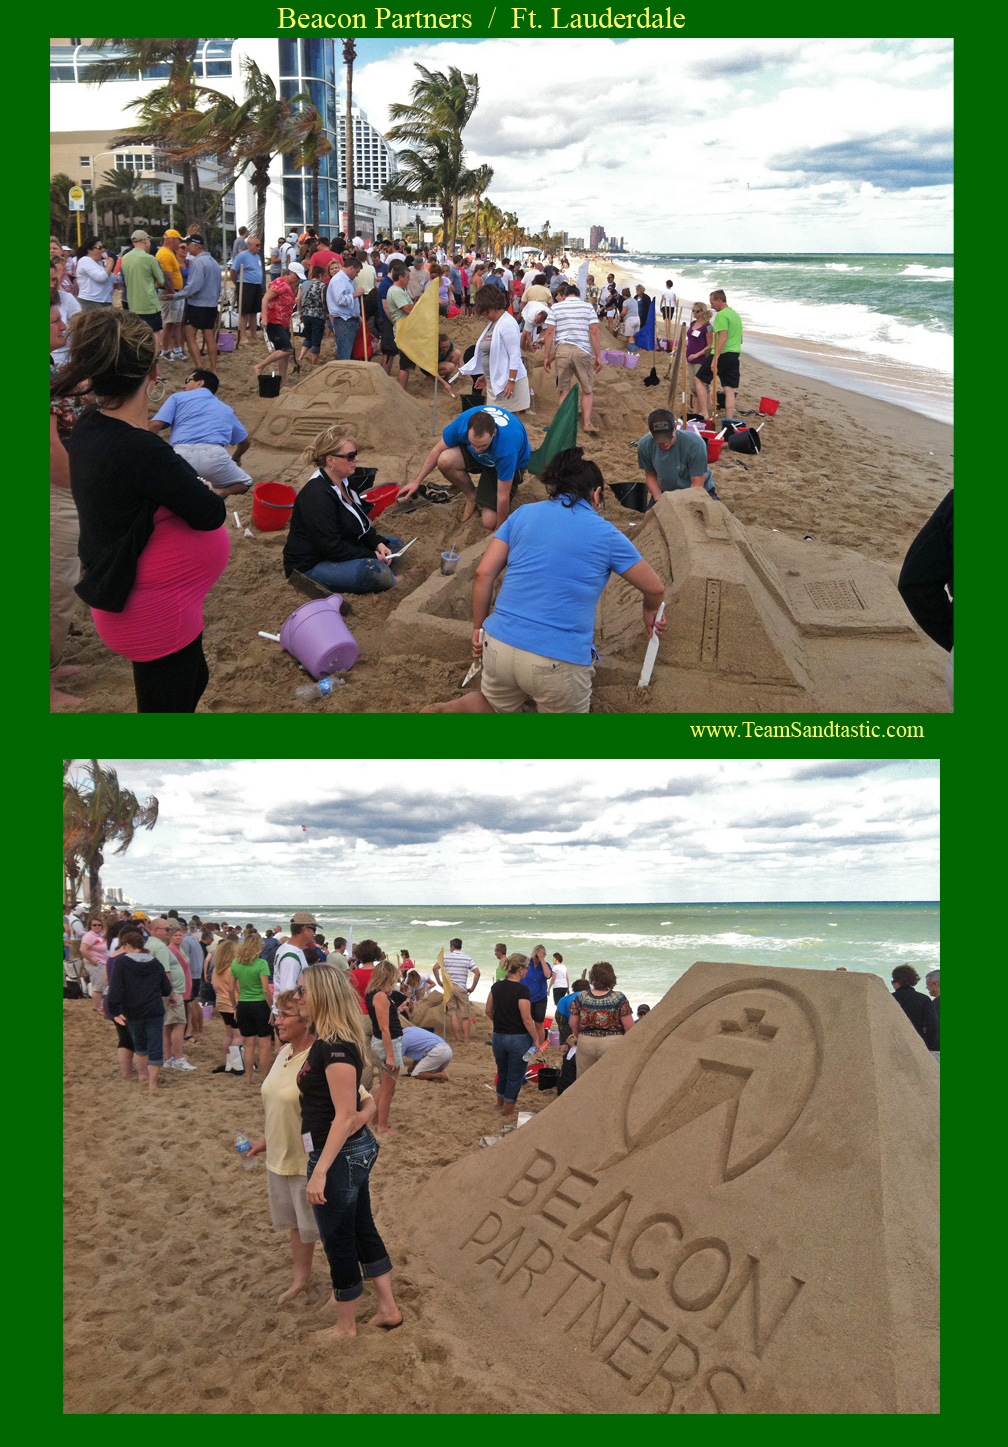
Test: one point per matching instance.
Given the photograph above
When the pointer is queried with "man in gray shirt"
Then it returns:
(201, 294)
(193, 951)
(672, 460)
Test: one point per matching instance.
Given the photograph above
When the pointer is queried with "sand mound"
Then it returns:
(735, 1210)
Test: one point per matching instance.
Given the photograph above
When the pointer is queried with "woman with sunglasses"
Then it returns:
(94, 275)
(331, 539)
(341, 1149)
(286, 1181)
(699, 344)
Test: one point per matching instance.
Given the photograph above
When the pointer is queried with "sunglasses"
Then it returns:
(350, 456)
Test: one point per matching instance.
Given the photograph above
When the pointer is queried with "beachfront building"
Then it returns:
(83, 118)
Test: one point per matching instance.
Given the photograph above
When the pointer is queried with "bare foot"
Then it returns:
(469, 508)
(388, 1322)
(329, 1332)
(327, 1305)
(385, 1129)
(292, 1291)
(58, 699)
(67, 670)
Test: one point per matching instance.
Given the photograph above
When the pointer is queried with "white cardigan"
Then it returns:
(505, 354)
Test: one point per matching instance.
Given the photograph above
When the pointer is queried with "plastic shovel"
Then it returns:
(652, 652)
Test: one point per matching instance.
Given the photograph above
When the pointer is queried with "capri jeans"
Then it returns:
(509, 1051)
(346, 1227)
(357, 575)
(314, 331)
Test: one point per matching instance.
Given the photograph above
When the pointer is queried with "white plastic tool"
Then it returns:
(652, 652)
(402, 549)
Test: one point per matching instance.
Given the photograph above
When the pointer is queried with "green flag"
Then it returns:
(562, 433)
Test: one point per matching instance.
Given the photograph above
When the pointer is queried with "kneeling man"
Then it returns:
(202, 428)
(432, 1054)
(487, 442)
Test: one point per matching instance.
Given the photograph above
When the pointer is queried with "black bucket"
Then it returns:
(269, 384)
(548, 1079)
(746, 440)
(632, 495)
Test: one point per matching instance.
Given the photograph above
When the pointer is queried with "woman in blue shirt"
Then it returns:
(559, 556)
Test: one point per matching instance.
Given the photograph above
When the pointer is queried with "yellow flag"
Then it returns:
(440, 959)
(417, 334)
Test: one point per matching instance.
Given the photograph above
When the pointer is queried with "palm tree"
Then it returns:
(59, 204)
(349, 56)
(124, 193)
(249, 133)
(97, 813)
(311, 144)
(432, 123)
(175, 99)
(482, 176)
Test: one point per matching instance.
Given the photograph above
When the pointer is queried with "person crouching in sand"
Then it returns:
(342, 1149)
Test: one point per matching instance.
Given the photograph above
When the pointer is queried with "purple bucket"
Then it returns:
(317, 637)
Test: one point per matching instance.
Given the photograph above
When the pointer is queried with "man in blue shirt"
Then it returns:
(247, 272)
(486, 441)
(202, 429)
(343, 308)
(201, 294)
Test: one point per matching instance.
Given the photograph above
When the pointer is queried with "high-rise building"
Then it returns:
(598, 236)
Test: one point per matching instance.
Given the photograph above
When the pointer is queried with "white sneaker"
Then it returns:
(167, 1064)
(183, 1064)
(164, 356)
(178, 355)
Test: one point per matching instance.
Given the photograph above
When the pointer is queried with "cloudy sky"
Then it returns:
(705, 146)
(510, 831)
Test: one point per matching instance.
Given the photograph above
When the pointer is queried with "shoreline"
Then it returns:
(922, 393)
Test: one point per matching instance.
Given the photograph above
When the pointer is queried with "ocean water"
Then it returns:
(648, 945)
(890, 312)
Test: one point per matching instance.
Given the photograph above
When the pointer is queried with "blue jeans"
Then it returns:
(344, 330)
(148, 1038)
(314, 332)
(346, 1226)
(358, 575)
(508, 1052)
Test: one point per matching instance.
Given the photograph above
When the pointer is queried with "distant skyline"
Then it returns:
(732, 145)
(434, 832)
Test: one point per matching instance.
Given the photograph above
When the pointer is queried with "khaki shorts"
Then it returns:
(511, 676)
(288, 1203)
(96, 974)
(172, 311)
(572, 364)
(459, 1003)
(175, 1014)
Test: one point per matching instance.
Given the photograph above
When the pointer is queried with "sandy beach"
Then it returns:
(836, 467)
(172, 1269)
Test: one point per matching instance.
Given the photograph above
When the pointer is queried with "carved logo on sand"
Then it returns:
(748, 1055)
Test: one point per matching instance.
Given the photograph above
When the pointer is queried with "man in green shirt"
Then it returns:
(143, 275)
(399, 304)
(727, 346)
(500, 951)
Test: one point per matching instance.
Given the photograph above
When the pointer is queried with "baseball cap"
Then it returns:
(139, 235)
(303, 917)
(297, 269)
(661, 423)
(175, 235)
(195, 240)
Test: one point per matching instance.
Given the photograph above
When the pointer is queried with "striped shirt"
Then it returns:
(457, 967)
(570, 320)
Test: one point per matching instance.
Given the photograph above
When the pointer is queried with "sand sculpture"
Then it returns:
(736, 1210)
(756, 620)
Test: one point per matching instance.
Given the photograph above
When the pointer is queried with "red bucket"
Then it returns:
(272, 505)
(381, 497)
(767, 406)
(714, 445)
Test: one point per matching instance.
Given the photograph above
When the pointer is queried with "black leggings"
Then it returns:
(173, 684)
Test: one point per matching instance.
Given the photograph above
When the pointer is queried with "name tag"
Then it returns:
(306, 1141)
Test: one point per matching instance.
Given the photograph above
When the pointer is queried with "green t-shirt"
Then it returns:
(676, 468)
(142, 276)
(249, 979)
(396, 300)
(730, 322)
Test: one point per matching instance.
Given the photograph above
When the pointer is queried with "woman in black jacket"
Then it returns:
(331, 539)
(918, 1008)
(137, 989)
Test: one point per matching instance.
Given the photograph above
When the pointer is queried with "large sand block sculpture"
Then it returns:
(734, 1210)
(386, 421)
(756, 620)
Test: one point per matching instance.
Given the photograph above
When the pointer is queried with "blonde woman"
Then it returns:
(224, 985)
(386, 1036)
(285, 1160)
(699, 344)
(342, 1150)
(253, 1010)
(330, 538)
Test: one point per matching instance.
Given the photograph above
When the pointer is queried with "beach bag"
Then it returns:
(229, 318)
(72, 987)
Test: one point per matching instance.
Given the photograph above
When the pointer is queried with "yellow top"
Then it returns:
(168, 262)
(285, 1152)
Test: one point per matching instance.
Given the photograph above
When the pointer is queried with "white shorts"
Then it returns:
(435, 1060)
(212, 461)
(288, 1202)
(631, 326)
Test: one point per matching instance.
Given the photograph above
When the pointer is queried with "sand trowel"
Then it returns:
(652, 652)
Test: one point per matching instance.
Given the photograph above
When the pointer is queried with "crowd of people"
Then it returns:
(327, 1029)
(137, 501)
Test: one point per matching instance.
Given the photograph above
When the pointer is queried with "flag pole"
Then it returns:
(434, 423)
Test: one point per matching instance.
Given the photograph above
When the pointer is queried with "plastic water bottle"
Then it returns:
(243, 1145)
(530, 1053)
(321, 689)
